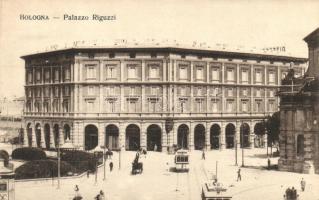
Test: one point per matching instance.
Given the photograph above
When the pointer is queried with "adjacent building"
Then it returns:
(151, 97)
(299, 115)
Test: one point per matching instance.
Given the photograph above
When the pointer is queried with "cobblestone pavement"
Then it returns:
(158, 183)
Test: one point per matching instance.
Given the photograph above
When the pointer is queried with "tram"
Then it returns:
(181, 161)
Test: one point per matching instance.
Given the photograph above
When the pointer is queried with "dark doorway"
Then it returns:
(199, 137)
(132, 139)
(112, 137)
(154, 138)
(38, 134)
(67, 132)
(182, 136)
(29, 134)
(214, 136)
(47, 135)
(56, 135)
(91, 137)
(230, 136)
(244, 135)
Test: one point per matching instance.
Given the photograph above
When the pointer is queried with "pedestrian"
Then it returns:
(268, 164)
(88, 173)
(288, 193)
(102, 195)
(203, 155)
(238, 175)
(111, 166)
(303, 184)
(76, 190)
(293, 193)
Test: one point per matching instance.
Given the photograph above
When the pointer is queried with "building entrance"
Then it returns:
(154, 139)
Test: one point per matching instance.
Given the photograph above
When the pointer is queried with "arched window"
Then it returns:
(300, 145)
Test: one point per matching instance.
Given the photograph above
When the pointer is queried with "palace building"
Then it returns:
(299, 115)
(151, 97)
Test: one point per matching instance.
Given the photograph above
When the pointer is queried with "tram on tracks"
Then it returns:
(181, 160)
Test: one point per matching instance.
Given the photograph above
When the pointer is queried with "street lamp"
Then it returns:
(104, 161)
(236, 151)
(59, 160)
(242, 143)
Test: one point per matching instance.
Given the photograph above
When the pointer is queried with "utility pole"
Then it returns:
(104, 160)
(242, 145)
(236, 151)
(59, 162)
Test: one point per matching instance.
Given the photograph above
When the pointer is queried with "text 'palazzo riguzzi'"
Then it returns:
(151, 97)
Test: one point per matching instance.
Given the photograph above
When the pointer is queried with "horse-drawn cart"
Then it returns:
(137, 167)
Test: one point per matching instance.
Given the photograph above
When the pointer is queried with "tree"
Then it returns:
(273, 128)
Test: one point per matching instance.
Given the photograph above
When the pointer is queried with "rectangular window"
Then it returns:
(215, 104)
(258, 76)
(131, 72)
(112, 106)
(90, 72)
(183, 91)
(183, 73)
(66, 91)
(244, 76)
(30, 77)
(132, 106)
(56, 75)
(199, 91)
(215, 91)
(230, 92)
(182, 104)
(271, 93)
(110, 72)
(153, 72)
(90, 106)
(258, 93)
(152, 106)
(154, 90)
(271, 77)
(271, 106)
(47, 92)
(38, 76)
(230, 75)
(244, 107)
(67, 74)
(199, 73)
(229, 106)
(47, 76)
(199, 105)
(91, 90)
(215, 74)
(56, 92)
(111, 91)
(258, 106)
(132, 91)
(283, 75)
(245, 92)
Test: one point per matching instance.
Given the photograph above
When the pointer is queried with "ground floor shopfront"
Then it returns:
(152, 135)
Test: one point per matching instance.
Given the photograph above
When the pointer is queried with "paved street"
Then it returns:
(156, 182)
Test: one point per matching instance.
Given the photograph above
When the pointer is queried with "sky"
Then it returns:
(258, 23)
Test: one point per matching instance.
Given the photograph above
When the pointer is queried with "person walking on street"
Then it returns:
(111, 166)
(268, 164)
(203, 155)
(303, 184)
(238, 175)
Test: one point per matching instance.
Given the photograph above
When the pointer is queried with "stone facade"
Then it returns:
(124, 97)
(299, 112)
